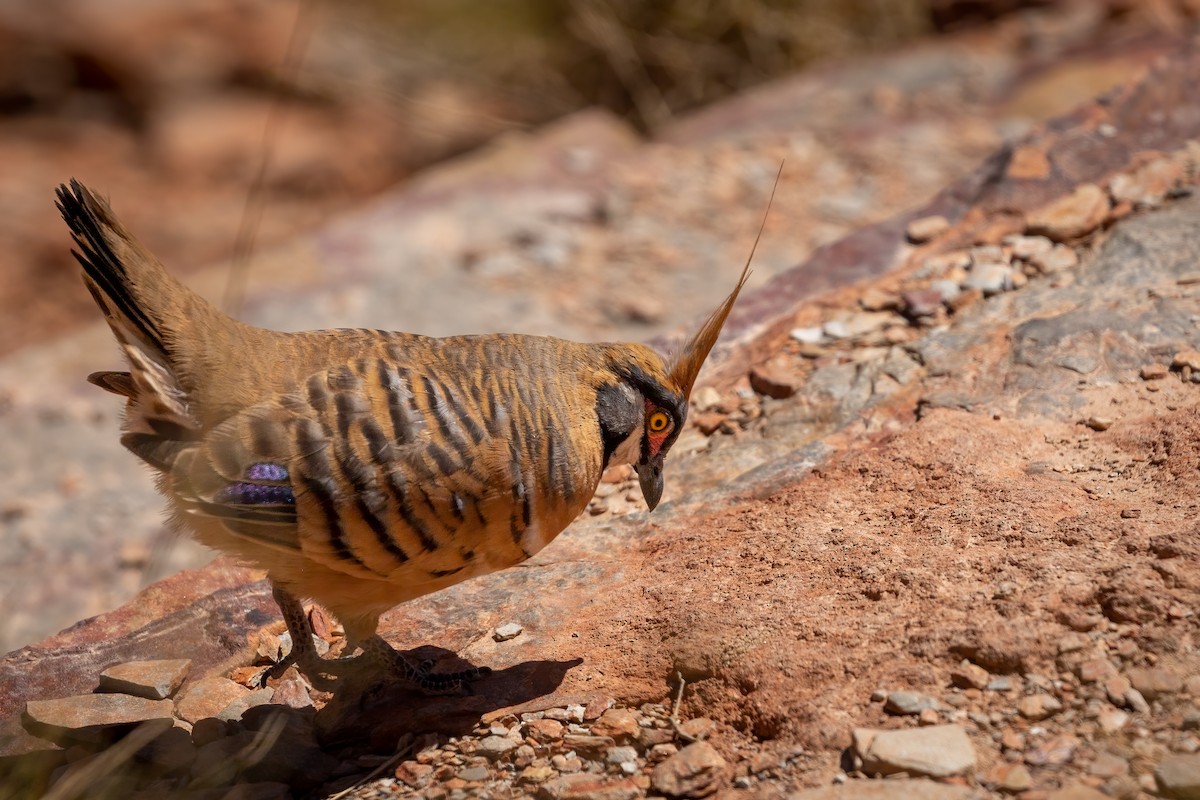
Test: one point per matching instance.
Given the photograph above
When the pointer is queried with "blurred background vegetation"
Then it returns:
(646, 60)
(174, 105)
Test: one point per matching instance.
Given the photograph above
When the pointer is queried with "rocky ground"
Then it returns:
(582, 229)
(931, 534)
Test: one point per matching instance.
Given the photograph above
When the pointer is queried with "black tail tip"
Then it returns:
(72, 200)
(76, 198)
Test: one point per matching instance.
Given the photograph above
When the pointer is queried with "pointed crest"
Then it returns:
(686, 364)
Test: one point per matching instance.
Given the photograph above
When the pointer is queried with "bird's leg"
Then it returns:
(374, 648)
(304, 652)
(419, 675)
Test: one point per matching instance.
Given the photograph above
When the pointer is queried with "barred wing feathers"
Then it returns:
(374, 470)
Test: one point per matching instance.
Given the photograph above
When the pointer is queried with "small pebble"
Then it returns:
(1053, 752)
(494, 747)
(807, 335)
(1010, 778)
(1038, 706)
(925, 302)
(987, 254)
(946, 289)
(619, 723)
(1072, 216)
(1179, 776)
(1186, 358)
(706, 398)
(620, 755)
(1155, 682)
(909, 703)
(836, 329)
(923, 229)
(1106, 765)
(208, 697)
(544, 730)
(509, 630)
(1154, 372)
(1094, 670)
(991, 279)
(935, 751)
(695, 771)
(875, 299)
(776, 379)
(697, 728)
(473, 774)
(970, 676)
(1026, 247)
(1057, 259)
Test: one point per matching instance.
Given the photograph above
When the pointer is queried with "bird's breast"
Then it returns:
(438, 472)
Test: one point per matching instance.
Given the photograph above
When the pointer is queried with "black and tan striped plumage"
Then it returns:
(364, 468)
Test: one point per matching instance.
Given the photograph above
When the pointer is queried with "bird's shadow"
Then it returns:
(376, 714)
(364, 715)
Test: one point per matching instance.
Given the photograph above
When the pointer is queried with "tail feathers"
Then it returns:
(157, 452)
(116, 382)
(149, 313)
(160, 404)
(108, 252)
(158, 420)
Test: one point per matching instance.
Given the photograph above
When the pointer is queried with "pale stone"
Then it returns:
(208, 697)
(1038, 706)
(1070, 217)
(154, 680)
(509, 630)
(923, 229)
(937, 751)
(919, 789)
(90, 716)
(695, 771)
(1179, 777)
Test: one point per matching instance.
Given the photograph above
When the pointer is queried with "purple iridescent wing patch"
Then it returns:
(256, 494)
(266, 471)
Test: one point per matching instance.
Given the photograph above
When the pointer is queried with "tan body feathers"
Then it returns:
(365, 468)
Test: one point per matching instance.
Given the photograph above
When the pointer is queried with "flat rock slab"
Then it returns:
(1179, 777)
(890, 790)
(909, 703)
(1155, 682)
(1077, 792)
(595, 787)
(207, 614)
(209, 697)
(93, 717)
(153, 680)
(937, 751)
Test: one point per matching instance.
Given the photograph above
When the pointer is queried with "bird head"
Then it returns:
(642, 414)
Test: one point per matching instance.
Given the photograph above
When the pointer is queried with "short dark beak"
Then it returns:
(650, 476)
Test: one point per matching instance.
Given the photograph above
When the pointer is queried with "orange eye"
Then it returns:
(658, 422)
